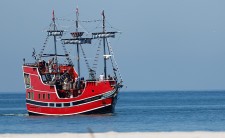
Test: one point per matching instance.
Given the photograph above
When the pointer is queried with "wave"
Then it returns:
(14, 115)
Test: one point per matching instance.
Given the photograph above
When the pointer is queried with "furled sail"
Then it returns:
(104, 35)
(77, 41)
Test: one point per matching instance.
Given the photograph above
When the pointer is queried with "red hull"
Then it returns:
(46, 99)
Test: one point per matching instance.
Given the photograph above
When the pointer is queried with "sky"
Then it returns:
(165, 44)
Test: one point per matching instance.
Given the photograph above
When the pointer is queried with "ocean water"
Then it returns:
(135, 112)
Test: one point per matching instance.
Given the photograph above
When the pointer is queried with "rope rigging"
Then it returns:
(95, 63)
(43, 48)
(112, 58)
(85, 57)
(113, 27)
(45, 44)
(71, 20)
(86, 31)
(92, 69)
(67, 54)
(63, 46)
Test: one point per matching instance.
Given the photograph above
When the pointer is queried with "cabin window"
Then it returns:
(43, 96)
(49, 96)
(28, 95)
(58, 105)
(66, 104)
(52, 104)
(39, 96)
(31, 95)
(27, 80)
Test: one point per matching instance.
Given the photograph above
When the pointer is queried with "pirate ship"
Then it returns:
(54, 88)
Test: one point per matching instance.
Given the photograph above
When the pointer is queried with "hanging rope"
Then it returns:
(43, 48)
(85, 29)
(112, 63)
(64, 48)
(45, 43)
(113, 59)
(88, 21)
(98, 26)
(85, 57)
(67, 54)
(95, 63)
(112, 27)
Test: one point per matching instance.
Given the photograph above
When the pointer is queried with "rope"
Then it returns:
(65, 51)
(98, 26)
(95, 63)
(113, 58)
(111, 53)
(70, 20)
(85, 29)
(85, 58)
(45, 45)
(112, 26)
(43, 48)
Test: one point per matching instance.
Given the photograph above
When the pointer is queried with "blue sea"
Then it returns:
(135, 112)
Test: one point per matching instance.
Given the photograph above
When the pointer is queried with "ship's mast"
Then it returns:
(54, 29)
(77, 40)
(104, 35)
(104, 47)
(78, 51)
